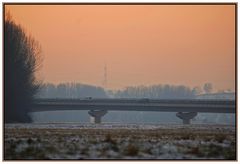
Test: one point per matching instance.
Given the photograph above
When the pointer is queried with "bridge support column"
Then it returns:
(96, 115)
(186, 116)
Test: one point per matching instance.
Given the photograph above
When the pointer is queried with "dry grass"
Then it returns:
(93, 143)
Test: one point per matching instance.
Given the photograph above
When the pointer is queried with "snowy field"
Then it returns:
(119, 141)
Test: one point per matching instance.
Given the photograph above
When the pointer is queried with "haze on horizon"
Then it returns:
(141, 45)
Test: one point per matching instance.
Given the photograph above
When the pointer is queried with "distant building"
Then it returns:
(224, 95)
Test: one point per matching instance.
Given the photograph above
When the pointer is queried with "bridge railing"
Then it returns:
(186, 109)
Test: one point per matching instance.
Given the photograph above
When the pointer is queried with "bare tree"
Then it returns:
(21, 61)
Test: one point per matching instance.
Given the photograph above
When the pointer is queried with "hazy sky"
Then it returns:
(154, 44)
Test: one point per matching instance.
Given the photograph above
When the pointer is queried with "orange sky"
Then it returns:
(154, 44)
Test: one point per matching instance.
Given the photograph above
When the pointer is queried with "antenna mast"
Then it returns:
(105, 76)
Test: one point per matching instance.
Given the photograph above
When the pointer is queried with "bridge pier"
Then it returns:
(96, 115)
(186, 116)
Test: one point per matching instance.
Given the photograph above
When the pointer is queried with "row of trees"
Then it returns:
(78, 90)
(164, 91)
(156, 92)
(70, 90)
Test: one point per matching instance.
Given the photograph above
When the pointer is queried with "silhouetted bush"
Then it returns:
(21, 60)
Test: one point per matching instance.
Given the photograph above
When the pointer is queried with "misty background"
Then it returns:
(142, 44)
(166, 91)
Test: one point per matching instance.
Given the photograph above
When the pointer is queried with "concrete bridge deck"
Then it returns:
(186, 109)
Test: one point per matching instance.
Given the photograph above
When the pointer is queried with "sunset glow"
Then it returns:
(140, 44)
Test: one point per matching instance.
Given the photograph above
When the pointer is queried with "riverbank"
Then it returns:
(119, 141)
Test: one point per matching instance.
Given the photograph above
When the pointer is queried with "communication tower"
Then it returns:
(105, 76)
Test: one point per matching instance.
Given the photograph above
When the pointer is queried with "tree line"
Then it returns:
(70, 90)
(156, 92)
(78, 90)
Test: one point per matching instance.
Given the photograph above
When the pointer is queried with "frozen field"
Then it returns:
(119, 141)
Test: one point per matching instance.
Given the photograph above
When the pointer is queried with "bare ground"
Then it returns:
(119, 141)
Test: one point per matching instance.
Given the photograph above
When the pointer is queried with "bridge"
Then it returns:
(97, 108)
